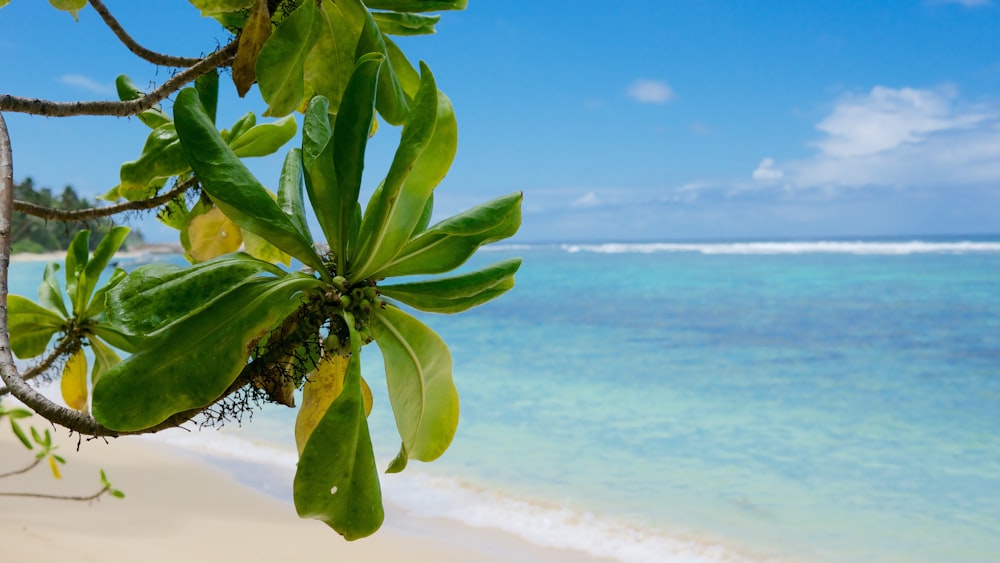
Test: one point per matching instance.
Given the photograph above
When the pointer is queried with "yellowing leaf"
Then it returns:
(74, 382)
(71, 6)
(212, 235)
(366, 396)
(55, 468)
(252, 38)
(323, 386)
(258, 247)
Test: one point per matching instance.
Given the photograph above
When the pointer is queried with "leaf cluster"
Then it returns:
(234, 320)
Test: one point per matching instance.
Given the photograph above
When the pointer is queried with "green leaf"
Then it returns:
(259, 248)
(290, 192)
(104, 359)
(215, 7)
(105, 250)
(77, 256)
(49, 294)
(448, 244)
(316, 130)
(4, 3)
(396, 207)
(153, 117)
(263, 139)
(392, 102)
(16, 429)
(207, 86)
(418, 372)
(241, 126)
(232, 187)
(409, 78)
(157, 294)
(331, 61)
(188, 364)
(416, 5)
(396, 23)
(455, 294)
(280, 62)
(334, 181)
(96, 306)
(31, 326)
(174, 214)
(336, 480)
(425, 217)
(71, 6)
(122, 341)
(161, 158)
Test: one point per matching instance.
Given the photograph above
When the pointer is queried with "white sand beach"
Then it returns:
(181, 508)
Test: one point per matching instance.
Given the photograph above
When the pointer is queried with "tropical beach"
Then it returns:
(452, 281)
(233, 522)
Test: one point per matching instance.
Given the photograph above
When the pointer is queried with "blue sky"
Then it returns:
(630, 120)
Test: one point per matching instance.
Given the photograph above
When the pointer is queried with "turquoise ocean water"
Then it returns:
(808, 401)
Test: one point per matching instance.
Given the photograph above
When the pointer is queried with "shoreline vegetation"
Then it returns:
(179, 506)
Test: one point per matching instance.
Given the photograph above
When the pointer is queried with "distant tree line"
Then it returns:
(33, 234)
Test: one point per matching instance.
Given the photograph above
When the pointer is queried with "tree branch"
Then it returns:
(59, 497)
(66, 346)
(49, 108)
(31, 466)
(132, 45)
(69, 215)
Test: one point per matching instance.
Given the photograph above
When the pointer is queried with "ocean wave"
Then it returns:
(421, 495)
(817, 247)
(546, 525)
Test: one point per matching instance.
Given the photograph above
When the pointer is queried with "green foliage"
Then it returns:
(235, 320)
(33, 325)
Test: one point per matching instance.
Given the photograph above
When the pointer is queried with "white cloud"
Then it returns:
(767, 172)
(86, 83)
(905, 137)
(589, 199)
(886, 118)
(650, 91)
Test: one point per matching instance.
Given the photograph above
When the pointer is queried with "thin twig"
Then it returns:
(70, 215)
(49, 108)
(65, 347)
(22, 470)
(58, 497)
(126, 39)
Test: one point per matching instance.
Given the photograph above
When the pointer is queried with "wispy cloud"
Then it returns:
(767, 172)
(589, 199)
(650, 91)
(902, 137)
(86, 83)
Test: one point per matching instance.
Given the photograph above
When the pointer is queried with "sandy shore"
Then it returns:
(60, 255)
(181, 508)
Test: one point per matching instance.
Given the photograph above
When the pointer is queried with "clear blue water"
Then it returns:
(799, 402)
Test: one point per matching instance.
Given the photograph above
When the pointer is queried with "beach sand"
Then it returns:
(178, 507)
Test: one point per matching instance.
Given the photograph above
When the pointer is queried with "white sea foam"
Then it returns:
(545, 525)
(817, 247)
(425, 496)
